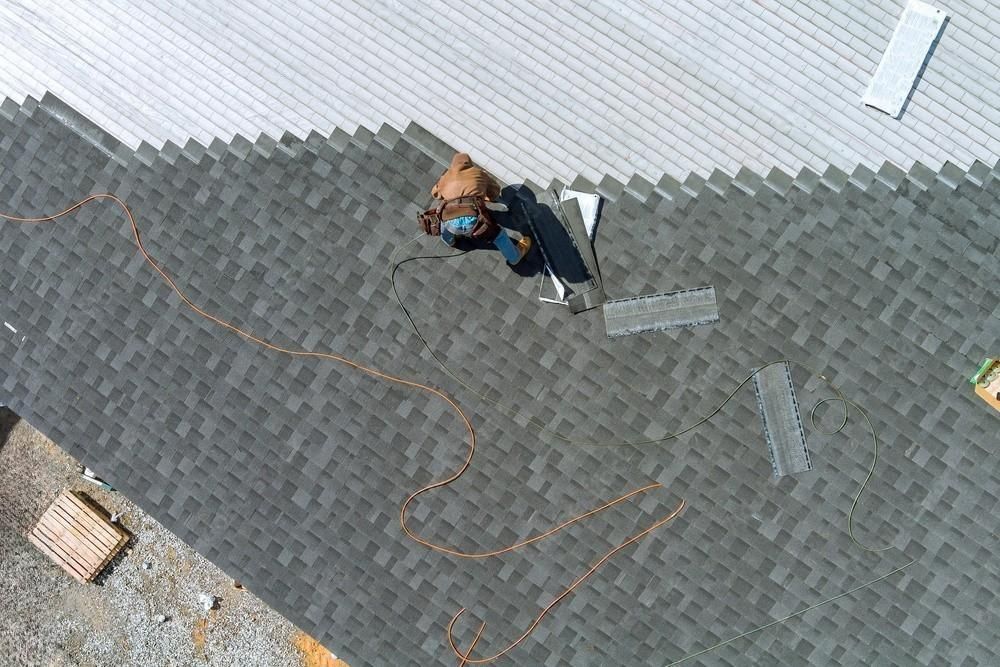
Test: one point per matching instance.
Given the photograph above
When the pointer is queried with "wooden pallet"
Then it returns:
(78, 536)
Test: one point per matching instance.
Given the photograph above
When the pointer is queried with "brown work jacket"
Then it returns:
(464, 179)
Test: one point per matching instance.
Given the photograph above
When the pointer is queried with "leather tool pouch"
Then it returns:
(430, 221)
(485, 229)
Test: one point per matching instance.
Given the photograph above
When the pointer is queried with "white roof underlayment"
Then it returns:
(534, 90)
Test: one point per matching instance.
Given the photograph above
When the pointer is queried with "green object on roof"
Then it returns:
(985, 366)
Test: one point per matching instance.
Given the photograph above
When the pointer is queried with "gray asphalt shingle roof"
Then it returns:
(289, 474)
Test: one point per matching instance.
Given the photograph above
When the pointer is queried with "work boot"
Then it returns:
(524, 247)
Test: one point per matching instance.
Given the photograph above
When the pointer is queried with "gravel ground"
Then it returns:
(47, 618)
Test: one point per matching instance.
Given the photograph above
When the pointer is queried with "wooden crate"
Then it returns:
(77, 535)
(988, 393)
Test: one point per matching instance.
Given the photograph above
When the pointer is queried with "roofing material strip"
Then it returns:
(571, 216)
(590, 206)
(658, 312)
(779, 414)
(908, 50)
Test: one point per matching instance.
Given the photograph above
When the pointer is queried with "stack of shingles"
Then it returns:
(77, 536)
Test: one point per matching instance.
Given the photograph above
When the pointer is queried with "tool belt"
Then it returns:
(485, 229)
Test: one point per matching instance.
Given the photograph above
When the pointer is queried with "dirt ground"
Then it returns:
(145, 609)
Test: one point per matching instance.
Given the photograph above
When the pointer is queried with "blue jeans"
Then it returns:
(462, 228)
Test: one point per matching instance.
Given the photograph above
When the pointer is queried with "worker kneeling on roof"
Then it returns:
(464, 191)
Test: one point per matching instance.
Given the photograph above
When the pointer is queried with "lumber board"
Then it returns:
(58, 558)
(92, 516)
(76, 535)
(86, 523)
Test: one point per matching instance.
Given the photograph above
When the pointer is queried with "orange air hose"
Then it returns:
(465, 658)
(406, 383)
(538, 619)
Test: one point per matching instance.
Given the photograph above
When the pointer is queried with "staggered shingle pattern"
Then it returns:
(535, 89)
(289, 473)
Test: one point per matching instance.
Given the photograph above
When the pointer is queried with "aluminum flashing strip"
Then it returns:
(916, 31)
(564, 242)
(779, 413)
(571, 215)
(590, 205)
(559, 258)
(658, 312)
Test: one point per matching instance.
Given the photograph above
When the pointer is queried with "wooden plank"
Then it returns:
(56, 558)
(89, 543)
(44, 537)
(58, 537)
(99, 543)
(99, 514)
(61, 541)
(95, 513)
(72, 508)
(76, 507)
(98, 536)
(59, 558)
(111, 555)
(68, 542)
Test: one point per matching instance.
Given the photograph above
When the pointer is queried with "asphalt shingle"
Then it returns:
(289, 473)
